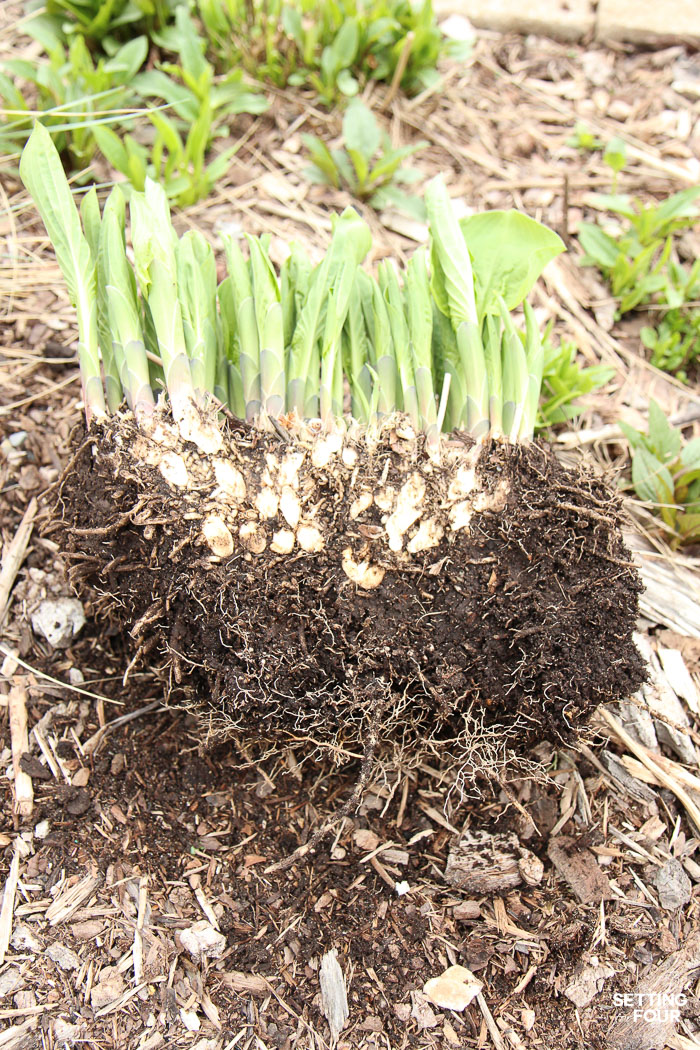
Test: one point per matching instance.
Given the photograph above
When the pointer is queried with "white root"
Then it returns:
(218, 537)
(230, 481)
(282, 542)
(364, 575)
(172, 467)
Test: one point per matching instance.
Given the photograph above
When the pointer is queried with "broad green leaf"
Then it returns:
(599, 246)
(665, 439)
(509, 251)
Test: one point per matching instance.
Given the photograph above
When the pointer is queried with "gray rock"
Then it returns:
(24, 940)
(672, 884)
(58, 620)
(63, 956)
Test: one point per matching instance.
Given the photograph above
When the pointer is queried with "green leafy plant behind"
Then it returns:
(565, 382)
(106, 22)
(200, 105)
(638, 261)
(369, 167)
(675, 343)
(74, 94)
(334, 47)
(666, 475)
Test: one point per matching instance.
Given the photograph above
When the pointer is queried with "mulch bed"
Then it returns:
(561, 889)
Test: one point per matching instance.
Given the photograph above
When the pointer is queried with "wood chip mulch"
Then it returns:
(137, 911)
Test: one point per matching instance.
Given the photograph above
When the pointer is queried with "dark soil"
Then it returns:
(523, 621)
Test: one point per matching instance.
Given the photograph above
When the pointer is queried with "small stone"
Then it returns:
(190, 1020)
(81, 776)
(202, 941)
(63, 956)
(454, 989)
(672, 884)
(531, 868)
(10, 982)
(365, 839)
(58, 620)
(42, 829)
(24, 939)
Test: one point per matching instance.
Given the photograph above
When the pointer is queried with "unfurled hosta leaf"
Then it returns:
(509, 251)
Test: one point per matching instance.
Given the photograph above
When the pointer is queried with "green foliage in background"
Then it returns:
(334, 47)
(105, 22)
(72, 93)
(642, 265)
(666, 475)
(565, 382)
(199, 104)
(368, 167)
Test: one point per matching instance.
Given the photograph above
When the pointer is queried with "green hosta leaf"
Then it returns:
(509, 251)
(688, 526)
(690, 455)
(599, 247)
(347, 84)
(322, 159)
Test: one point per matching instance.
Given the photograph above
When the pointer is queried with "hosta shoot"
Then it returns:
(268, 344)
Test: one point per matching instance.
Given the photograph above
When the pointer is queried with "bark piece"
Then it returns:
(673, 885)
(578, 868)
(482, 862)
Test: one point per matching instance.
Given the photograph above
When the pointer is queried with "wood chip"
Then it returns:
(68, 902)
(23, 788)
(334, 997)
(8, 904)
(246, 983)
(579, 868)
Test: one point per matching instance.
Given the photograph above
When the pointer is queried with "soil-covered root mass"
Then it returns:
(330, 585)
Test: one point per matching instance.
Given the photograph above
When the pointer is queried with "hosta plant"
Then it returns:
(271, 497)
